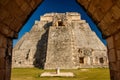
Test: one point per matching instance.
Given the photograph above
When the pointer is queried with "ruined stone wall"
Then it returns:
(15, 13)
(31, 49)
(87, 46)
(66, 42)
(82, 39)
(59, 51)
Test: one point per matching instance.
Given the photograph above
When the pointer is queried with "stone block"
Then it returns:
(106, 7)
(10, 44)
(26, 8)
(32, 4)
(18, 22)
(8, 72)
(75, 17)
(72, 14)
(110, 42)
(111, 17)
(102, 9)
(2, 52)
(3, 13)
(46, 18)
(9, 19)
(118, 54)
(6, 31)
(85, 3)
(3, 41)
(103, 26)
(115, 76)
(93, 6)
(97, 14)
(105, 30)
(2, 74)
(115, 12)
(112, 55)
(113, 66)
(53, 74)
(4, 2)
(16, 25)
(19, 2)
(2, 62)
(107, 18)
(118, 65)
(118, 75)
(118, 3)
(14, 9)
(113, 28)
(117, 40)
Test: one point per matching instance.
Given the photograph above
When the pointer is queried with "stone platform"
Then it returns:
(54, 74)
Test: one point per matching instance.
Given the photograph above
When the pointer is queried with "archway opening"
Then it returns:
(81, 60)
(101, 60)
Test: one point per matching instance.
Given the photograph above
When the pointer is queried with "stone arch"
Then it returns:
(16, 12)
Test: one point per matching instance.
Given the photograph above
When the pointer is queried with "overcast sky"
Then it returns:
(60, 6)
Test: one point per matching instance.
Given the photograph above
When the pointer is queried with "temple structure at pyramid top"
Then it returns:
(60, 40)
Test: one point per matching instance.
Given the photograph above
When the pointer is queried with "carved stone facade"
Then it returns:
(60, 40)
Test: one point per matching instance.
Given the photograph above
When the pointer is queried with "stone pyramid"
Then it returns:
(60, 40)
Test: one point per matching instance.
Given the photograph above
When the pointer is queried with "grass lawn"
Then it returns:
(33, 74)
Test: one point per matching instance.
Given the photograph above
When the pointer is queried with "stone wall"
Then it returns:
(5, 57)
(114, 55)
(87, 46)
(13, 15)
(59, 51)
(81, 37)
(62, 42)
(97, 10)
(30, 51)
(107, 17)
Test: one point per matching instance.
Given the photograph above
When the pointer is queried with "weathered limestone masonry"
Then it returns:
(107, 17)
(114, 55)
(5, 57)
(60, 40)
(13, 14)
(72, 44)
(31, 49)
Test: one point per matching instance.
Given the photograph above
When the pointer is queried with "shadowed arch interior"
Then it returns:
(15, 13)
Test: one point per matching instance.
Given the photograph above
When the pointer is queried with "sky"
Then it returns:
(59, 6)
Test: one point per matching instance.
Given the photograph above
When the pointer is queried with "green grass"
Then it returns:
(33, 74)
